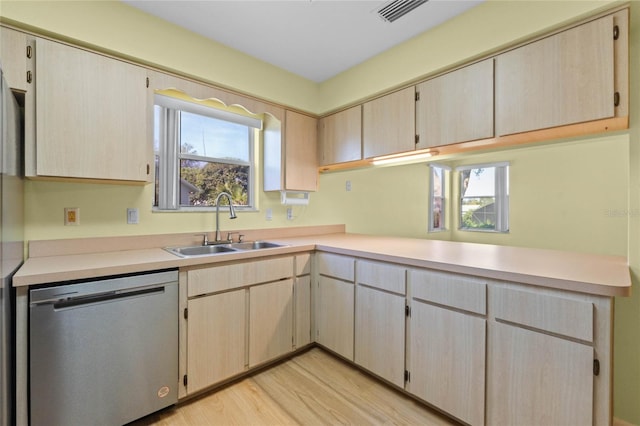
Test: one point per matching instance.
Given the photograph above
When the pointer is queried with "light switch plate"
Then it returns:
(132, 216)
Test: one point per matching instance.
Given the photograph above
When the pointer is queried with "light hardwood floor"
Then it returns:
(313, 388)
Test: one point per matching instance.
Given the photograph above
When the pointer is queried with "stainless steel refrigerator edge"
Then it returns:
(12, 237)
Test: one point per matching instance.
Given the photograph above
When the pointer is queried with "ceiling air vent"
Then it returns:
(396, 9)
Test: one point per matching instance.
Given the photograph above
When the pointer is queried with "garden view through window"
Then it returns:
(201, 152)
(484, 197)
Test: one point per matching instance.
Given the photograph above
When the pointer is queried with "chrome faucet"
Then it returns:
(232, 213)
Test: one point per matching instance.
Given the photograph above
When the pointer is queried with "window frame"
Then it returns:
(169, 155)
(501, 196)
(444, 188)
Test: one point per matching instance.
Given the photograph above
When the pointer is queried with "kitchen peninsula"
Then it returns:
(468, 311)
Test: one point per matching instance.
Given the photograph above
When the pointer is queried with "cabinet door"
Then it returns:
(535, 378)
(447, 360)
(379, 333)
(303, 311)
(13, 56)
(340, 136)
(301, 167)
(270, 321)
(216, 338)
(563, 79)
(456, 107)
(388, 124)
(91, 114)
(335, 315)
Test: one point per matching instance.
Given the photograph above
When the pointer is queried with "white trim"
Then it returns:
(179, 104)
(482, 166)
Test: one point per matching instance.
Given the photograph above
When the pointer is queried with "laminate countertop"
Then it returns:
(580, 272)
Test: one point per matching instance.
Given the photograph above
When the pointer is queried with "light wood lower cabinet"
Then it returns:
(380, 320)
(482, 351)
(303, 306)
(447, 343)
(270, 321)
(239, 316)
(335, 315)
(542, 348)
(216, 339)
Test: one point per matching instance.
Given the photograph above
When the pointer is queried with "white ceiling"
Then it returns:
(315, 39)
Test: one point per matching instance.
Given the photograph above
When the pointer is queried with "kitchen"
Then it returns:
(604, 165)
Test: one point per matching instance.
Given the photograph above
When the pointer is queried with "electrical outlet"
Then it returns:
(72, 216)
(289, 213)
(269, 214)
(347, 185)
(132, 216)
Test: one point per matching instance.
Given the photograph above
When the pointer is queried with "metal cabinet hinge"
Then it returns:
(616, 32)
(407, 376)
(29, 77)
(148, 169)
(147, 82)
(186, 313)
(184, 380)
(596, 367)
(407, 310)
(417, 139)
(417, 96)
(616, 99)
(29, 52)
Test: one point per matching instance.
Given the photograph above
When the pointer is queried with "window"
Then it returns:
(484, 197)
(201, 151)
(437, 197)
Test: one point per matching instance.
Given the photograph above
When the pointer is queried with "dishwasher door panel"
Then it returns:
(106, 358)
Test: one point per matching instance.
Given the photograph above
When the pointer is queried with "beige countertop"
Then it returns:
(580, 272)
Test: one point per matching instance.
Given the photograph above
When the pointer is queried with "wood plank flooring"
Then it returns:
(313, 388)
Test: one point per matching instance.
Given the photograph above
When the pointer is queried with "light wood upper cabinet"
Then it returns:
(340, 136)
(13, 57)
(563, 79)
(388, 124)
(456, 107)
(91, 116)
(290, 160)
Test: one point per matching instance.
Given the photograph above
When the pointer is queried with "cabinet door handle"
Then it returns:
(29, 77)
(616, 99)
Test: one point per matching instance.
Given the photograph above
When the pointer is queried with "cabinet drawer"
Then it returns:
(220, 278)
(382, 276)
(303, 264)
(554, 314)
(334, 265)
(457, 291)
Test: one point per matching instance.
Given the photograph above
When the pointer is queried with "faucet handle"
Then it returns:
(240, 238)
(205, 239)
(230, 238)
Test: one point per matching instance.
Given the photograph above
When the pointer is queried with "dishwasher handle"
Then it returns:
(104, 297)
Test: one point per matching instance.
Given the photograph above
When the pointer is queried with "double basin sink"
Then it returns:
(208, 250)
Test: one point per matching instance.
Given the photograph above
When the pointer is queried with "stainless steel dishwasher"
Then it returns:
(103, 352)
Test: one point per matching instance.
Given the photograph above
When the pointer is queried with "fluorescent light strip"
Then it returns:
(405, 157)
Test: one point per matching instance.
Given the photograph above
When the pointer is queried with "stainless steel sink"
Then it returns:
(254, 245)
(209, 250)
(192, 251)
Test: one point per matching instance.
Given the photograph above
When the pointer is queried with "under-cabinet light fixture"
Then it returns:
(403, 157)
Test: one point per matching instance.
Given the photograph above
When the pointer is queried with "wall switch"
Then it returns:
(347, 185)
(269, 214)
(289, 213)
(72, 216)
(132, 216)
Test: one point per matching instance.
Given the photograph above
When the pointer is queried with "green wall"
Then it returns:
(581, 195)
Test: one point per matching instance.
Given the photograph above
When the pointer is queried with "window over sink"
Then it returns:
(201, 151)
